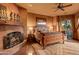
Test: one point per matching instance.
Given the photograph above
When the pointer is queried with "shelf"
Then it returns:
(10, 24)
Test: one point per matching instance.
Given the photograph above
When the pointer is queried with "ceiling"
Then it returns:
(49, 8)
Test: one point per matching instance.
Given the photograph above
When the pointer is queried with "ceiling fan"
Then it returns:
(61, 6)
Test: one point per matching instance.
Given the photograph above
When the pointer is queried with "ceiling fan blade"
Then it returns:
(60, 4)
(56, 10)
(55, 7)
(62, 9)
(67, 5)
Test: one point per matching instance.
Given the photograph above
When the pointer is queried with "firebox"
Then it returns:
(12, 39)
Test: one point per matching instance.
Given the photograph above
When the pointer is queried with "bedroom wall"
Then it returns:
(52, 22)
(31, 19)
(23, 20)
(77, 26)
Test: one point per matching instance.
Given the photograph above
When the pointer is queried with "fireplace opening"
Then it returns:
(12, 39)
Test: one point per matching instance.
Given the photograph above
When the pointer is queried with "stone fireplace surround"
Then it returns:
(4, 30)
(12, 39)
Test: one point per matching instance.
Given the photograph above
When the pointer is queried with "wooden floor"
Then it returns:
(68, 48)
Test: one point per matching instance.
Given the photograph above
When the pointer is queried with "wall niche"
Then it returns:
(7, 16)
(3, 14)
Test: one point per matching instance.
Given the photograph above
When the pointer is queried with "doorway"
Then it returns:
(66, 26)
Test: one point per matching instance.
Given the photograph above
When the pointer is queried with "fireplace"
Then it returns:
(12, 39)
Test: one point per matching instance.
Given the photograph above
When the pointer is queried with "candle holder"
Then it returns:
(11, 16)
(3, 13)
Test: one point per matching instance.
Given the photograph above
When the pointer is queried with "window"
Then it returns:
(41, 21)
(41, 24)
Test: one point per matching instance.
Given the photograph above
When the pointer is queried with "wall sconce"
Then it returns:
(30, 30)
(78, 20)
(63, 24)
(78, 24)
(50, 28)
(30, 52)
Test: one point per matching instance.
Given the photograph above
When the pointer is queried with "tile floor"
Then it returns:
(68, 48)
